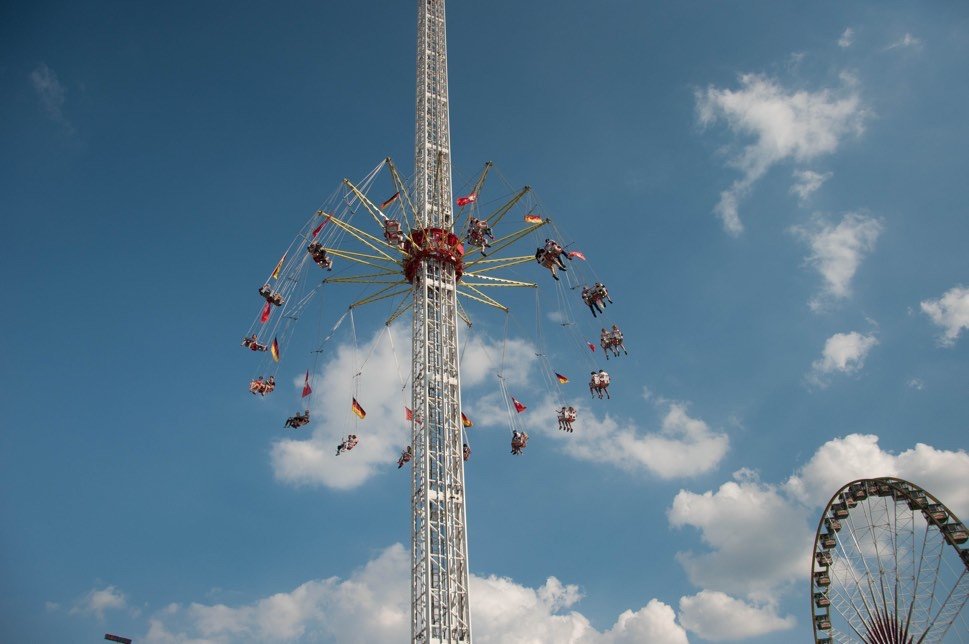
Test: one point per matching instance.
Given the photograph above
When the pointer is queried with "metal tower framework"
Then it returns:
(439, 573)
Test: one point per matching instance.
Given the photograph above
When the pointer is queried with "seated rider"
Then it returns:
(552, 248)
(318, 253)
(270, 384)
(405, 457)
(602, 292)
(392, 232)
(590, 299)
(256, 386)
(467, 451)
(252, 343)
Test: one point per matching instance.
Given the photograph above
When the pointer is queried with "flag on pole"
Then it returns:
(316, 231)
(533, 219)
(358, 410)
(279, 266)
(408, 414)
(562, 379)
(390, 201)
(518, 406)
(466, 421)
(274, 350)
(591, 346)
(464, 201)
(265, 313)
(307, 390)
(576, 253)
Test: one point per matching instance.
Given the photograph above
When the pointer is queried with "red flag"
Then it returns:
(533, 219)
(265, 313)
(316, 231)
(562, 379)
(576, 253)
(390, 201)
(464, 201)
(408, 414)
(518, 406)
(358, 410)
(591, 346)
(307, 390)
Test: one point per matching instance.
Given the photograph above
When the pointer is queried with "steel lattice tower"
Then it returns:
(439, 567)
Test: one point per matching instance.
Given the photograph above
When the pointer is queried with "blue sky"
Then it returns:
(774, 193)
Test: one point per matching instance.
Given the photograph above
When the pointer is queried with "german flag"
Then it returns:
(562, 379)
(358, 410)
(466, 421)
(390, 201)
(533, 219)
(274, 350)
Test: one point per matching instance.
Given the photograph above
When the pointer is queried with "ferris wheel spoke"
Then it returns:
(867, 576)
(948, 611)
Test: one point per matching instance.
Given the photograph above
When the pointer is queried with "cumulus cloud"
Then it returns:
(847, 38)
(843, 353)
(837, 251)
(683, 446)
(50, 91)
(784, 124)
(716, 616)
(758, 540)
(941, 472)
(373, 605)
(96, 602)
(807, 182)
(951, 312)
(313, 460)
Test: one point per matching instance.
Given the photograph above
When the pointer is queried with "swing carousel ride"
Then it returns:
(410, 245)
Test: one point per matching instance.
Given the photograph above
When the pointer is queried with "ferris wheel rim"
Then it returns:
(902, 491)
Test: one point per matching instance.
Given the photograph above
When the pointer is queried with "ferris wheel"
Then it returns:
(889, 566)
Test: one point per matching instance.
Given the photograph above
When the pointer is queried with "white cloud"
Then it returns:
(841, 460)
(384, 432)
(807, 182)
(951, 312)
(843, 353)
(717, 616)
(684, 446)
(908, 40)
(785, 124)
(837, 251)
(95, 602)
(51, 93)
(655, 623)
(917, 384)
(847, 38)
(758, 539)
(373, 605)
